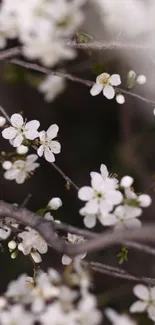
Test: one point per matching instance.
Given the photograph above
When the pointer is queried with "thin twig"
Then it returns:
(117, 273)
(10, 53)
(3, 111)
(26, 200)
(88, 83)
(106, 45)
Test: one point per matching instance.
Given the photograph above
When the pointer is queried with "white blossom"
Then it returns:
(2, 121)
(105, 83)
(52, 86)
(22, 169)
(49, 147)
(88, 314)
(124, 216)
(20, 130)
(16, 315)
(55, 203)
(31, 240)
(102, 196)
(72, 239)
(146, 300)
(12, 244)
(20, 289)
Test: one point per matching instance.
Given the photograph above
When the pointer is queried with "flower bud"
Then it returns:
(2, 121)
(36, 257)
(55, 203)
(144, 200)
(120, 99)
(7, 164)
(12, 244)
(141, 79)
(21, 150)
(14, 255)
(126, 181)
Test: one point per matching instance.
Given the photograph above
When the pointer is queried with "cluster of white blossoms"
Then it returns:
(41, 26)
(21, 131)
(146, 302)
(51, 87)
(49, 300)
(113, 204)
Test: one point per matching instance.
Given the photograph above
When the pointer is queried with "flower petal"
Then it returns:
(109, 92)
(9, 133)
(11, 173)
(32, 125)
(138, 307)
(31, 134)
(52, 131)
(92, 207)
(85, 193)
(40, 150)
(31, 158)
(66, 260)
(55, 147)
(90, 221)
(115, 80)
(96, 89)
(42, 135)
(18, 140)
(109, 220)
(152, 293)
(133, 223)
(103, 76)
(104, 171)
(142, 292)
(17, 120)
(49, 155)
(151, 312)
(96, 180)
(20, 178)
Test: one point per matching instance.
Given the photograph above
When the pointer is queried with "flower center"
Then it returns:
(104, 80)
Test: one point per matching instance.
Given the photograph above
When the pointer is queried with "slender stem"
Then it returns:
(26, 200)
(117, 273)
(10, 53)
(88, 83)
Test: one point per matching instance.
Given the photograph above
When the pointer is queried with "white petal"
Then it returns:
(105, 207)
(151, 312)
(110, 220)
(32, 125)
(42, 135)
(11, 173)
(52, 131)
(90, 221)
(31, 134)
(17, 120)
(96, 180)
(66, 260)
(20, 178)
(142, 292)
(9, 133)
(96, 89)
(49, 155)
(36, 257)
(55, 147)
(85, 193)
(31, 159)
(115, 80)
(133, 223)
(40, 151)
(18, 140)
(138, 307)
(152, 293)
(109, 92)
(104, 171)
(92, 207)
(114, 197)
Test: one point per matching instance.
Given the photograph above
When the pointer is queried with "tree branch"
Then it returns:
(47, 231)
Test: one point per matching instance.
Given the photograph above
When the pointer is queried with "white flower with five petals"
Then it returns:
(48, 146)
(31, 239)
(101, 197)
(20, 130)
(21, 169)
(146, 302)
(105, 83)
